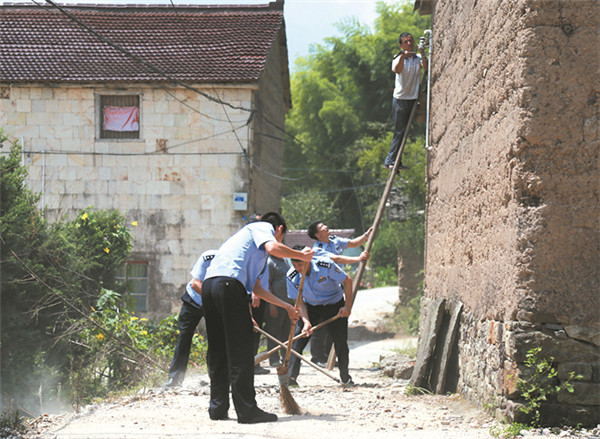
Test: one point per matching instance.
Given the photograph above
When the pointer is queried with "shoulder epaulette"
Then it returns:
(209, 257)
(324, 264)
(332, 236)
(292, 275)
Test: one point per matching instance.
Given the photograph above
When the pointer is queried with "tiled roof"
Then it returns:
(189, 44)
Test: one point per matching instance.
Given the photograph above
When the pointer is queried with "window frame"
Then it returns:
(99, 116)
(126, 279)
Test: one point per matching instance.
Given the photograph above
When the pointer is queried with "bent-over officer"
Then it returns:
(234, 272)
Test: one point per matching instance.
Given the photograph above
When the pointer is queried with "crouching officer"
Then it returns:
(189, 316)
(327, 292)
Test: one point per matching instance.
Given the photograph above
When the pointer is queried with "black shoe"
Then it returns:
(401, 166)
(293, 383)
(219, 418)
(258, 370)
(347, 382)
(321, 364)
(257, 417)
(172, 383)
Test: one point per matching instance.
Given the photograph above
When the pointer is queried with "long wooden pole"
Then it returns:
(377, 220)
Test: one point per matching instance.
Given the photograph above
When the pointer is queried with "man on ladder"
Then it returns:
(407, 65)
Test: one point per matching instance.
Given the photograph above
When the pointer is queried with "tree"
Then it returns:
(340, 128)
(52, 276)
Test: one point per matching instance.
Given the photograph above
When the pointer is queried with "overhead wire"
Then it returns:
(217, 99)
(141, 61)
(245, 154)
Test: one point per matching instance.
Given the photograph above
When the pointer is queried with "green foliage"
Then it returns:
(52, 275)
(416, 391)
(539, 383)
(301, 210)
(118, 347)
(340, 127)
(508, 431)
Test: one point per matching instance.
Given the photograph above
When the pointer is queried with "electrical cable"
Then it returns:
(139, 60)
(218, 99)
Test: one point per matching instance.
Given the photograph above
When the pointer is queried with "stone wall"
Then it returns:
(177, 181)
(513, 212)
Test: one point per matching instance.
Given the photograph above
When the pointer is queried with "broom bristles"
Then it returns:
(289, 404)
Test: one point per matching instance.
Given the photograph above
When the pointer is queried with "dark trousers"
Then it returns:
(258, 314)
(189, 317)
(402, 110)
(278, 327)
(230, 355)
(320, 345)
(338, 330)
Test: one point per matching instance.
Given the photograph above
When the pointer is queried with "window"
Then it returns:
(118, 116)
(135, 276)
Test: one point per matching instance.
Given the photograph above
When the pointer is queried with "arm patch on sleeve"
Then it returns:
(209, 257)
(292, 275)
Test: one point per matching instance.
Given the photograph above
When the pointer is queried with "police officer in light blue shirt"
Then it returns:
(335, 245)
(327, 292)
(320, 344)
(189, 316)
(235, 271)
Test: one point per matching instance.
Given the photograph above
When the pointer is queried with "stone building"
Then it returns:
(512, 247)
(175, 116)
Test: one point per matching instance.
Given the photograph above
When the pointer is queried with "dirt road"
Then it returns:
(376, 407)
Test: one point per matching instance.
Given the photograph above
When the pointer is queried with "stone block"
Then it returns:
(64, 106)
(567, 350)
(13, 118)
(105, 173)
(167, 120)
(433, 315)
(510, 376)
(23, 106)
(74, 187)
(589, 334)
(564, 414)
(583, 394)
(47, 93)
(35, 93)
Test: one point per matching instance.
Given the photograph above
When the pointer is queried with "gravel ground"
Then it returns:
(376, 407)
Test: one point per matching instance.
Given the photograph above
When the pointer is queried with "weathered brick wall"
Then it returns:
(182, 198)
(513, 212)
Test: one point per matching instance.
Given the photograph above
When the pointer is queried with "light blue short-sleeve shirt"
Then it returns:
(199, 272)
(322, 286)
(336, 245)
(243, 256)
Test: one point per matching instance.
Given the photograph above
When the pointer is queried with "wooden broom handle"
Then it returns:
(288, 352)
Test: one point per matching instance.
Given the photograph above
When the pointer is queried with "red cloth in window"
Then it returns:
(121, 118)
